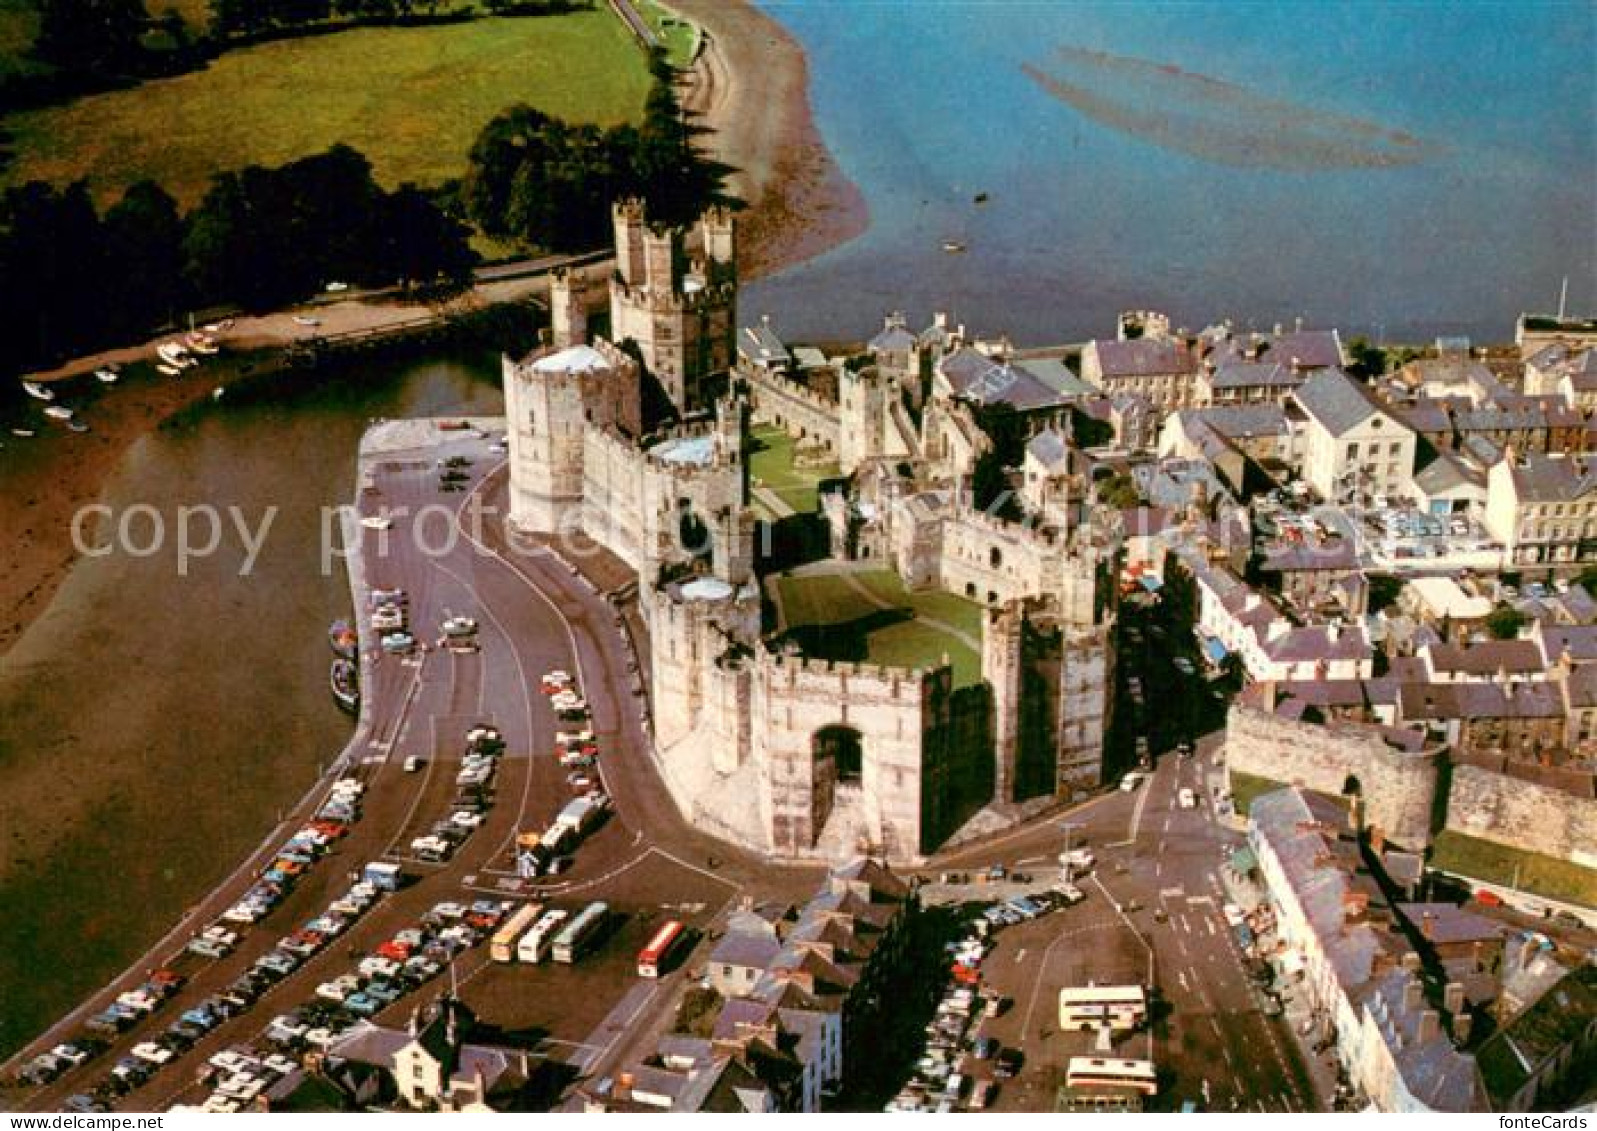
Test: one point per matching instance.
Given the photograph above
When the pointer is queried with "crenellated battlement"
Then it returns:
(777, 385)
(848, 676)
(663, 300)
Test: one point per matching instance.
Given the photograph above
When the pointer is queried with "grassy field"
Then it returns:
(1245, 787)
(884, 624)
(679, 35)
(411, 99)
(1512, 867)
(771, 466)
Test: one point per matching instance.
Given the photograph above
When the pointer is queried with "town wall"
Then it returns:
(1399, 789)
(1522, 814)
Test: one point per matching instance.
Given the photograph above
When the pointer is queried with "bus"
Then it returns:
(572, 941)
(502, 947)
(654, 956)
(1089, 1073)
(1119, 1008)
(534, 945)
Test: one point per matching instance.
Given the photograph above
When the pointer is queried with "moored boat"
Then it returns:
(106, 376)
(37, 391)
(58, 412)
(169, 370)
(344, 680)
(343, 638)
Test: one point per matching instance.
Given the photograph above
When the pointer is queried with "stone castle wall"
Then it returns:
(1399, 789)
(793, 407)
(1536, 818)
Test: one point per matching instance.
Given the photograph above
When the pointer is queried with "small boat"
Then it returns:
(176, 353)
(58, 412)
(344, 679)
(169, 370)
(343, 639)
(106, 376)
(953, 246)
(77, 426)
(37, 391)
(981, 198)
(216, 393)
(200, 343)
(23, 433)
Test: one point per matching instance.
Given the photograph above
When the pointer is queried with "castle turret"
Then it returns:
(862, 412)
(568, 308)
(720, 243)
(627, 215)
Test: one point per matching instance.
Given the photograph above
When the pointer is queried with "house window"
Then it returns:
(1352, 451)
(415, 1071)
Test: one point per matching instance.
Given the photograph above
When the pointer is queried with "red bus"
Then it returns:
(652, 957)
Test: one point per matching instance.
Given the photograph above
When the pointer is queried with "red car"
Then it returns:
(394, 950)
(170, 981)
(1488, 899)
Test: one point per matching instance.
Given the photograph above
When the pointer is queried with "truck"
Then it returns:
(582, 813)
(382, 875)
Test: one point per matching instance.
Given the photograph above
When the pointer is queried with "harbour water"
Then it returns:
(1399, 170)
(153, 725)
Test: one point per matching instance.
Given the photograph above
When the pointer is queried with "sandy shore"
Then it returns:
(750, 87)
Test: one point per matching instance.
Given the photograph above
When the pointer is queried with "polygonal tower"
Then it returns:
(676, 302)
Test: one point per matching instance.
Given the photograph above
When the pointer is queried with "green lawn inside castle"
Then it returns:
(835, 612)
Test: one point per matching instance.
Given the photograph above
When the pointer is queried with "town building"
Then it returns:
(1353, 448)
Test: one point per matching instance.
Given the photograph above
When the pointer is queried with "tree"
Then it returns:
(422, 241)
(1588, 580)
(97, 36)
(51, 282)
(1504, 622)
(144, 251)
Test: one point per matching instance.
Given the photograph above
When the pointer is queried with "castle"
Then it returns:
(798, 757)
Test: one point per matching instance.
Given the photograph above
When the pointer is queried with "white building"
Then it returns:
(1353, 448)
(1543, 508)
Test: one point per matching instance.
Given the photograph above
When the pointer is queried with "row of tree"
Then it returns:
(546, 182)
(73, 280)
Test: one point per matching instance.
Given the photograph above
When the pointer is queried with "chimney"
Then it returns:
(1428, 924)
(940, 319)
(1411, 962)
(623, 1088)
(1430, 1027)
(765, 320)
(1463, 1025)
(1453, 998)
(1413, 991)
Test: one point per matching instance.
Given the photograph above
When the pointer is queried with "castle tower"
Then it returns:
(568, 308)
(720, 244)
(627, 215)
(680, 319)
(1001, 664)
(862, 416)
(545, 427)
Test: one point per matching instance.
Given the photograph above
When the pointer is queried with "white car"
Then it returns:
(1187, 798)
(339, 988)
(306, 320)
(1233, 914)
(152, 1052)
(376, 522)
(466, 820)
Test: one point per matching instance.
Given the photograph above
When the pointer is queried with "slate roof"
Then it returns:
(1580, 641)
(1050, 449)
(893, 337)
(761, 343)
(1539, 699)
(1236, 421)
(985, 380)
(1253, 374)
(745, 948)
(1336, 401)
(1433, 1071)
(1311, 349)
(1448, 473)
(1541, 478)
(1143, 357)
(1445, 923)
(1487, 658)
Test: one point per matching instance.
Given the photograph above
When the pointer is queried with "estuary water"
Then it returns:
(1395, 169)
(153, 725)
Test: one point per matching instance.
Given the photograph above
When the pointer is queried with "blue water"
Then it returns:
(926, 104)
